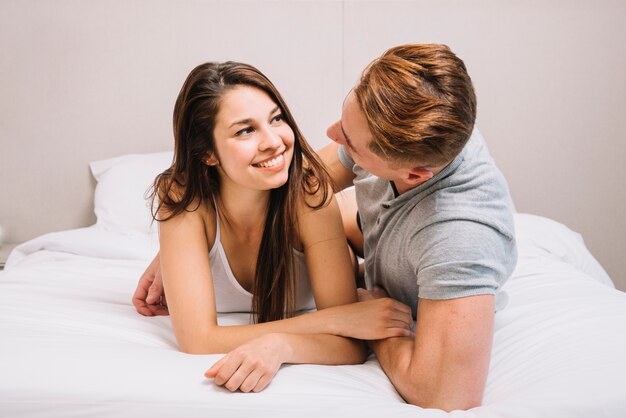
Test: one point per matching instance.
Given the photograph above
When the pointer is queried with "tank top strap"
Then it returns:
(217, 241)
(217, 222)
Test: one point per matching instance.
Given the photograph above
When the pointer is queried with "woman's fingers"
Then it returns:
(391, 310)
(372, 319)
(399, 332)
(263, 382)
(238, 377)
(246, 376)
(211, 372)
(392, 319)
(226, 370)
(401, 307)
(251, 382)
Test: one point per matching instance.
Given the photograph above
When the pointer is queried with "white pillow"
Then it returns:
(540, 237)
(122, 183)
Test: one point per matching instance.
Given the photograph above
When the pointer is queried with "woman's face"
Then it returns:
(253, 143)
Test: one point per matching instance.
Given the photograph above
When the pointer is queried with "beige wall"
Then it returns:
(82, 81)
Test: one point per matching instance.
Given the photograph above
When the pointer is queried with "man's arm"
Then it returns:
(342, 177)
(149, 298)
(446, 365)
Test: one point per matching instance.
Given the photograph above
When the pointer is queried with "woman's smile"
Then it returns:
(272, 163)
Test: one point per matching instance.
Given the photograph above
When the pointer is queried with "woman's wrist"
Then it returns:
(326, 319)
(284, 346)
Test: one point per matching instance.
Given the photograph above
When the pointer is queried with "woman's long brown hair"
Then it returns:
(189, 182)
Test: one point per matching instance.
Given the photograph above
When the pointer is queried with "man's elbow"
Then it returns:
(447, 404)
(427, 396)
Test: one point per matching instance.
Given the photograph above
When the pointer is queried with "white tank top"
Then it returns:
(230, 296)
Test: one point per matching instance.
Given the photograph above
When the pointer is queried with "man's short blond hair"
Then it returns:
(419, 103)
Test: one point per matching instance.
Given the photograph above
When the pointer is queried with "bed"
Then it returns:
(71, 343)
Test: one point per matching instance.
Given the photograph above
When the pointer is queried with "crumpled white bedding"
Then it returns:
(71, 343)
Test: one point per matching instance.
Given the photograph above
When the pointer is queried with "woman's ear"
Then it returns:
(211, 160)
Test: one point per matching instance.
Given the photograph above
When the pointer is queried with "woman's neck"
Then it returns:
(243, 209)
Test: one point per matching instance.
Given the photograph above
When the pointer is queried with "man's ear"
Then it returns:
(211, 159)
(417, 175)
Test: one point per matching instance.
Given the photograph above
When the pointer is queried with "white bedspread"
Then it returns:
(71, 343)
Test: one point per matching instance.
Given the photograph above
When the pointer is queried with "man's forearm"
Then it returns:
(446, 365)
(418, 381)
(423, 379)
(394, 356)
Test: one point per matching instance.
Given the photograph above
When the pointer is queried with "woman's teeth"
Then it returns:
(270, 163)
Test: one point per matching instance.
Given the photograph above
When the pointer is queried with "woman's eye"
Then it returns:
(278, 118)
(244, 131)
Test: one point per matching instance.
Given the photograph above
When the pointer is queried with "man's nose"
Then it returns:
(334, 132)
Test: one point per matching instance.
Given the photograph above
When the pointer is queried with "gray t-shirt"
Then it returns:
(450, 237)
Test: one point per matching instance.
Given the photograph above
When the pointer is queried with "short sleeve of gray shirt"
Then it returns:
(451, 238)
(446, 266)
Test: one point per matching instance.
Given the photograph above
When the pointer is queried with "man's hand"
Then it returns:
(251, 366)
(375, 317)
(149, 298)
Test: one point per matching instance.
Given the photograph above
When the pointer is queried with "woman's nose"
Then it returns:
(270, 139)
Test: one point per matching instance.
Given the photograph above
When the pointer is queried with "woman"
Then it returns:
(248, 222)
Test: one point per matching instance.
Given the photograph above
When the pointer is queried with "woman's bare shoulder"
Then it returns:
(314, 210)
(315, 197)
(198, 211)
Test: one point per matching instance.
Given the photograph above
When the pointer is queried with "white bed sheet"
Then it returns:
(71, 343)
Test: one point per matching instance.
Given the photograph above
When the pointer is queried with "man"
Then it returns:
(435, 215)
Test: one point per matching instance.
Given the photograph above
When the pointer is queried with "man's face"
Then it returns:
(354, 134)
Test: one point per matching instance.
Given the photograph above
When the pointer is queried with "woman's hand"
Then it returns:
(251, 366)
(376, 293)
(373, 318)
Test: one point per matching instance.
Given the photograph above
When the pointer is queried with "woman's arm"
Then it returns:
(251, 366)
(188, 286)
(327, 256)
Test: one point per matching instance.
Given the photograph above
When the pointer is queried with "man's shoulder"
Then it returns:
(452, 211)
(472, 191)
(463, 229)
